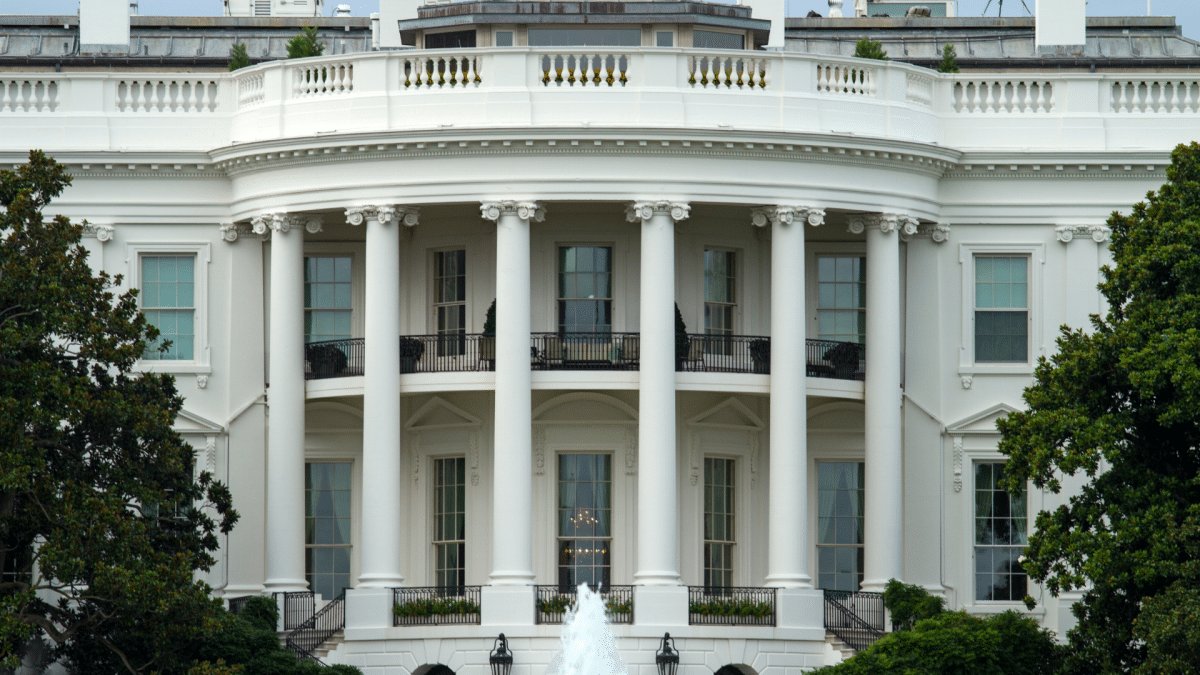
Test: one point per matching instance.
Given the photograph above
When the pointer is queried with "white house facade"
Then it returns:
(868, 259)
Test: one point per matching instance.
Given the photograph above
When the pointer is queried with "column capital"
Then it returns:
(886, 223)
(524, 209)
(644, 210)
(938, 232)
(786, 215)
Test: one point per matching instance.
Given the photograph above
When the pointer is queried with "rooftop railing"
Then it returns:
(436, 89)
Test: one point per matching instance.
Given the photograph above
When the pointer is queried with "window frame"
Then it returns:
(968, 252)
(134, 251)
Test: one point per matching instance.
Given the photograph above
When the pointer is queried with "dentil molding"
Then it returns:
(786, 215)
(645, 210)
(525, 210)
(886, 223)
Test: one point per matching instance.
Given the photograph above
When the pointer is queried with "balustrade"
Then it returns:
(167, 95)
(1159, 96)
(1003, 96)
(28, 95)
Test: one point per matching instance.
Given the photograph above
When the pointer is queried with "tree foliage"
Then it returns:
(866, 48)
(1119, 407)
(949, 63)
(101, 519)
(238, 58)
(953, 643)
(305, 44)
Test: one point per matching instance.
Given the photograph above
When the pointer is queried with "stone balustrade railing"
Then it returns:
(594, 87)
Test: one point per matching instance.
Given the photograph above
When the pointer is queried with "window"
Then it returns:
(842, 298)
(584, 520)
(720, 299)
(1001, 309)
(450, 301)
(450, 521)
(1000, 537)
(718, 522)
(327, 527)
(168, 301)
(585, 289)
(840, 525)
(327, 304)
(709, 39)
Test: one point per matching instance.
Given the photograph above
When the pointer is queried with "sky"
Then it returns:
(1187, 11)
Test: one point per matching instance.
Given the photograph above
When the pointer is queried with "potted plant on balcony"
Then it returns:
(325, 360)
(845, 358)
(411, 350)
(487, 344)
(682, 341)
(760, 355)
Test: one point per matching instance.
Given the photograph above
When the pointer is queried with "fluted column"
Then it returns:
(381, 494)
(884, 512)
(512, 505)
(657, 522)
(787, 520)
(285, 397)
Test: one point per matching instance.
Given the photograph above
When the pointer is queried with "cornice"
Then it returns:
(268, 155)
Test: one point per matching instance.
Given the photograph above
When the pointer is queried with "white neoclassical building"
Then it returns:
(867, 257)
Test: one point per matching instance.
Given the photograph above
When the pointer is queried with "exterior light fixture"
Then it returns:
(502, 659)
(667, 658)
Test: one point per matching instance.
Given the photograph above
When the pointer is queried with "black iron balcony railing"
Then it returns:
(298, 606)
(731, 606)
(554, 601)
(584, 351)
(471, 352)
(436, 606)
(856, 618)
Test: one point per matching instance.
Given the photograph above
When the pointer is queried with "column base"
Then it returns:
(800, 608)
(380, 581)
(875, 585)
(507, 605)
(284, 586)
(660, 605)
(368, 613)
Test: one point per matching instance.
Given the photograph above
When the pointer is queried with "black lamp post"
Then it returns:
(502, 659)
(667, 658)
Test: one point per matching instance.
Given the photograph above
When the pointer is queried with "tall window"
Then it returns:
(1000, 530)
(842, 298)
(450, 300)
(840, 525)
(1002, 309)
(585, 289)
(168, 301)
(584, 520)
(327, 303)
(718, 522)
(720, 299)
(450, 521)
(327, 527)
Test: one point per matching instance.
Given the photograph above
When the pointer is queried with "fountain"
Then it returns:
(588, 645)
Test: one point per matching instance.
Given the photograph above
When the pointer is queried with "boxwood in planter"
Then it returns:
(411, 350)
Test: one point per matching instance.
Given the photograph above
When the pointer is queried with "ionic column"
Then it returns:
(884, 511)
(381, 494)
(512, 493)
(787, 521)
(285, 423)
(657, 522)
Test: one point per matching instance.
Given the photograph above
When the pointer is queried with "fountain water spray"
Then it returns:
(588, 645)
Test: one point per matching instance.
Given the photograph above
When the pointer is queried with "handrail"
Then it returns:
(842, 617)
(319, 627)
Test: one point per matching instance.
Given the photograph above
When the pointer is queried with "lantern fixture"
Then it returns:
(667, 658)
(502, 659)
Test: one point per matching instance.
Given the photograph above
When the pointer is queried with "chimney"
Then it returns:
(104, 26)
(1060, 23)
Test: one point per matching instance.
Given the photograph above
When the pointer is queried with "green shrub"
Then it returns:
(866, 48)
